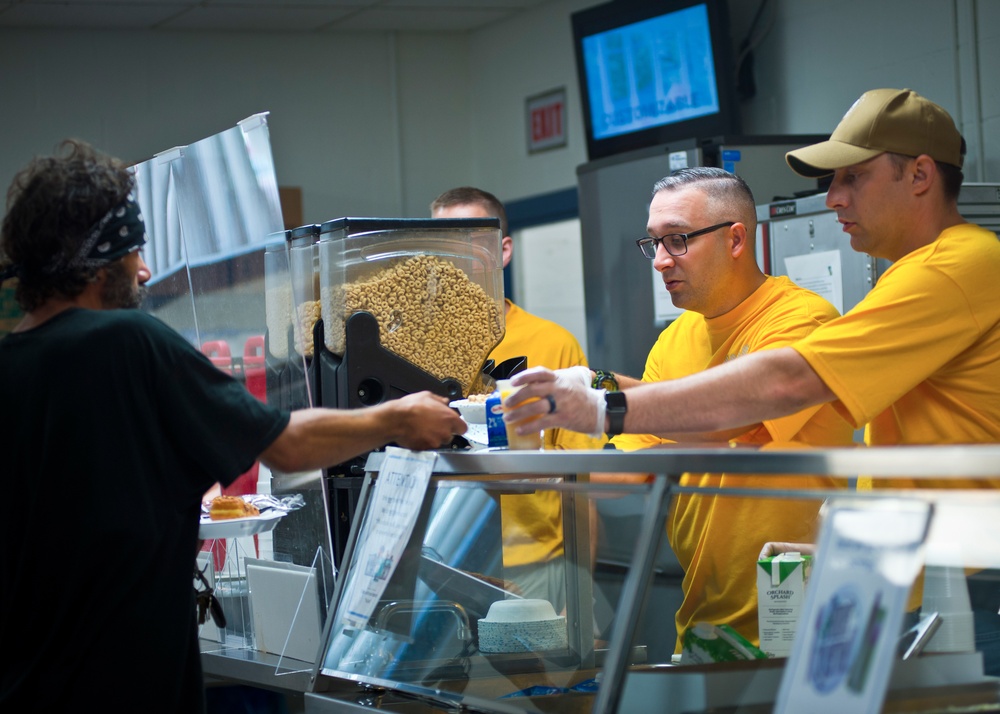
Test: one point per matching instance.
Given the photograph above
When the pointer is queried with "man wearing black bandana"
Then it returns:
(113, 426)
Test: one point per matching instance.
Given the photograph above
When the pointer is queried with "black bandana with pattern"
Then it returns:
(120, 231)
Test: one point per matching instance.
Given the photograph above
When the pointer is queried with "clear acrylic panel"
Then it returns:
(907, 557)
(494, 601)
(220, 276)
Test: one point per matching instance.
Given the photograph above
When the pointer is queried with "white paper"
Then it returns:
(663, 306)
(284, 603)
(392, 513)
(819, 272)
(678, 160)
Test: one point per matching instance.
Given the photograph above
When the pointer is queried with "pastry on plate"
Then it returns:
(224, 507)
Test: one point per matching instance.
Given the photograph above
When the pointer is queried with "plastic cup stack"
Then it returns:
(946, 592)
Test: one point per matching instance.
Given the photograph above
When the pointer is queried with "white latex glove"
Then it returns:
(578, 406)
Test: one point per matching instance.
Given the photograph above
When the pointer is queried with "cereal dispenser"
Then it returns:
(285, 377)
(304, 265)
(407, 305)
(363, 310)
(291, 288)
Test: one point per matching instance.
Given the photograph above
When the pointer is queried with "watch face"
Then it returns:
(616, 407)
(615, 401)
(606, 383)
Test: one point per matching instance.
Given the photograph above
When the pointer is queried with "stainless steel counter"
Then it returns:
(968, 461)
(909, 462)
(916, 462)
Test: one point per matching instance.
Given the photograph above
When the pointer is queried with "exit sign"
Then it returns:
(546, 116)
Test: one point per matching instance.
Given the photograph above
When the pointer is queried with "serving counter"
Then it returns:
(434, 641)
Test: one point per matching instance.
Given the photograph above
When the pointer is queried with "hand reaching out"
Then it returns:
(772, 548)
(565, 399)
(425, 421)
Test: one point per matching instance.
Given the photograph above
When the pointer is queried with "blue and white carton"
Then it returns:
(495, 429)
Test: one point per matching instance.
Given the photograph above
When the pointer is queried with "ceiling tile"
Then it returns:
(420, 20)
(78, 16)
(217, 18)
(262, 15)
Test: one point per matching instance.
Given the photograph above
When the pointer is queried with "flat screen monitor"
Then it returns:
(653, 72)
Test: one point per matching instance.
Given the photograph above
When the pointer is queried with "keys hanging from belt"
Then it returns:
(207, 602)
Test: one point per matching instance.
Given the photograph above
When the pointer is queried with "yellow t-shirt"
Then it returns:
(717, 538)
(532, 523)
(918, 359)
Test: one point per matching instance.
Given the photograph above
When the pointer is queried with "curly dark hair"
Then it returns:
(51, 204)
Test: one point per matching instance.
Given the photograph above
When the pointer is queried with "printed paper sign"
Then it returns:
(819, 272)
(391, 516)
(867, 558)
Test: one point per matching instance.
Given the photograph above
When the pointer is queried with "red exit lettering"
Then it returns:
(546, 122)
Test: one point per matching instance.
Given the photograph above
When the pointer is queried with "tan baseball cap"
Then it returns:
(895, 120)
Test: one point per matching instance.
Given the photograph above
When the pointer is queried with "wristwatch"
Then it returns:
(615, 408)
(604, 380)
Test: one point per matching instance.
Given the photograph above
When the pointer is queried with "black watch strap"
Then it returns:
(604, 380)
(615, 409)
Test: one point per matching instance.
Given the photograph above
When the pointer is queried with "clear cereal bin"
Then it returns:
(304, 265)
(435, 287)
(277, 294)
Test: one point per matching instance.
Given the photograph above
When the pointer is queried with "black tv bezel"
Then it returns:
(616, 14)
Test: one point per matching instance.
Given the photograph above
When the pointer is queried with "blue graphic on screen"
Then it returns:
(650, 73)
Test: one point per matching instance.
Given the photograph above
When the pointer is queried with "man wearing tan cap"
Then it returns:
(916, 362)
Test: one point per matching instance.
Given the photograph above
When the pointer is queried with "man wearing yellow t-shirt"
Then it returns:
(532, 524)
(703, 227)
(917, 360)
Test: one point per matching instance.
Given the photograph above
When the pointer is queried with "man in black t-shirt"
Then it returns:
(112, 428)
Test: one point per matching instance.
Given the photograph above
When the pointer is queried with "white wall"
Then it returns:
(510, 62)
(555, 294)
(335, 101)
(379, 123)
(815, 58)
(818, 57)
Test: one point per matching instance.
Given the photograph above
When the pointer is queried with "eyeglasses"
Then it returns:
(676, 243)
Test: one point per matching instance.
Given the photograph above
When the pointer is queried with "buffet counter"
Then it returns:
(434, 643)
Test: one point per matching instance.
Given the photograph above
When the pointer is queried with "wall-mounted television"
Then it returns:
(653, 72)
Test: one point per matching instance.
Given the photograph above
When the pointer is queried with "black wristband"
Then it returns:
(615, 409)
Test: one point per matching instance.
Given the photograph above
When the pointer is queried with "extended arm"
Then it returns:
(316, 438)
(745, 391)
(625, 383)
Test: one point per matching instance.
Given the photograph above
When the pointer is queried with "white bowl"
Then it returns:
(520, 610)
(472, 412)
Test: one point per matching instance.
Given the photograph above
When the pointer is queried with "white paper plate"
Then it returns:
(472, 412)
(238, 527)
(477, 434)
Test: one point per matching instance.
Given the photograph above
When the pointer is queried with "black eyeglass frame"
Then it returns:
(649, 242)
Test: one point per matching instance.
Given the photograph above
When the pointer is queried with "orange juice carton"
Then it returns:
(781, 594)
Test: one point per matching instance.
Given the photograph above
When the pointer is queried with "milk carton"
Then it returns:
(495, 428)
(781, 593)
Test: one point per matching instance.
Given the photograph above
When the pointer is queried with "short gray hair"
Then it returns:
(727, 191)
